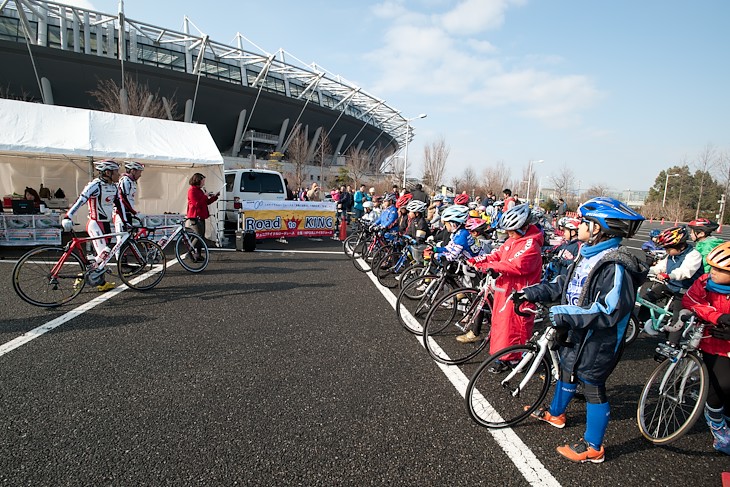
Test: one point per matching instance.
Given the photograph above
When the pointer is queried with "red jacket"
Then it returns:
(519, 262)
(709, 306)
(198, 203)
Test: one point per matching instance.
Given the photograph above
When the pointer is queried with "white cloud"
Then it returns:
(433, 56)
(474, 16)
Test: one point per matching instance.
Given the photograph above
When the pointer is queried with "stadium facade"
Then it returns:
(250, 101)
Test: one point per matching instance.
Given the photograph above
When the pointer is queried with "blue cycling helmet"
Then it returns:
(615, 218)
(456, 214)
(448, 200)
(438, 197)
(390, 197)
(654, 233)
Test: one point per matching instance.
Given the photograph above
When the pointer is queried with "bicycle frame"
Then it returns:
(75, 244)
(543, 344)
(144, 232)
(695, 331)
(657, 313)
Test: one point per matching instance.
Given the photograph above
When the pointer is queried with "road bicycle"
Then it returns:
(675, 393)
(498, 399)
(190, 248)
(455, 314)
(52, 276)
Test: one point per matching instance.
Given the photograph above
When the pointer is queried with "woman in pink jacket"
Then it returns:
(519, 263)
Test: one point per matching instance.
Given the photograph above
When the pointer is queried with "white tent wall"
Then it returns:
(54, 146)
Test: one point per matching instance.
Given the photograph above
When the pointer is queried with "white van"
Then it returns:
(251, 185)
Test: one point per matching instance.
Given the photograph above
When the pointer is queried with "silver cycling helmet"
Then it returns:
(456, 214)
(102, 166)
(515, 218)
(416, 206)
(130, 165)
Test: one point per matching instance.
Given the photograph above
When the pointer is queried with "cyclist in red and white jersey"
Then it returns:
(128, 193)
(102, 196)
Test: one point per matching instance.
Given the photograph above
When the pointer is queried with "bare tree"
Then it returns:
(297, 154)
(469, 180)
(140, 100)
(497, 177)
(7, 93)
(323, 153)
(457, 183)
(435, 156)
(594, 191)
(563, 181)
(358, 164)
(706, 160)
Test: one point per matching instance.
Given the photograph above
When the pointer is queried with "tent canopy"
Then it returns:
(53, 145)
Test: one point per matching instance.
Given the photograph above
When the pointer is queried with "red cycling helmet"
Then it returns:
(403, 200)
(461, 199)
(703, 225)
(672, 237)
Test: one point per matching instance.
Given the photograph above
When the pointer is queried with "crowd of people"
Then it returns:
(591, 289)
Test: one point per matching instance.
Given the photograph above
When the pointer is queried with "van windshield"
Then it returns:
(260, 182)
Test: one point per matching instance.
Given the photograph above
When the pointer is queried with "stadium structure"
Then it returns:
(250, 100)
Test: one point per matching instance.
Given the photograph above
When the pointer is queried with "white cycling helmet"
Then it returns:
(367, 204)
(515, 218)
(456, 214)
(102, 166)
(416, 206)
(130, 165)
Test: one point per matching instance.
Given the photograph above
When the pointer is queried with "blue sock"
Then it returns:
(597, 416)
(564, 392)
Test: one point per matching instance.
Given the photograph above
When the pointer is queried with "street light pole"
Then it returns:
(529, 178)
(666, 183)
(408, 136)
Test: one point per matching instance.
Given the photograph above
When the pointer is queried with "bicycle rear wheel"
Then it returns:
(668, 411)
(451, 316)
(192, 252)
(36, 283)
(141, 264)
(416, 299)
(500, 399)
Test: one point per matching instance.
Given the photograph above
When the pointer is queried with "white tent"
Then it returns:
(55, 146)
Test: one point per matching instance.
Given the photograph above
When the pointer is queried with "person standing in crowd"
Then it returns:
(562, 207)
(127, 187)
(371, 194)
(102, 195)
(346, 201)
(198, 201)
(359, 198)
(596, 302)
(420, 195)
(509, 201)
(709, 298)
(314, 194)
(489, 199)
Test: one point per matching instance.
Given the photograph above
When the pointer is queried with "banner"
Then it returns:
(277, 219)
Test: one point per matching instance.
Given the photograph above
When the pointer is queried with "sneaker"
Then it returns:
(499, 367)
(581, 452)
(468, 337)
(105, 287)
(543, 414)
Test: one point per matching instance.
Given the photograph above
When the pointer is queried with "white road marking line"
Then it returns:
(523, 458)
(55, 323)
(300, 251)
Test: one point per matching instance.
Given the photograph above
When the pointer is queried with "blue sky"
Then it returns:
(616, 91)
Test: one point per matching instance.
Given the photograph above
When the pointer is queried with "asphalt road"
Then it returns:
(279, 368)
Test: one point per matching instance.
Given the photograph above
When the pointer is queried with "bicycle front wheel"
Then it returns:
(192, 252)
(452, 316)
(141, 264)
(416, 299)
(390, 268)
(498, 396)
(672, 400)
(41, 280)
